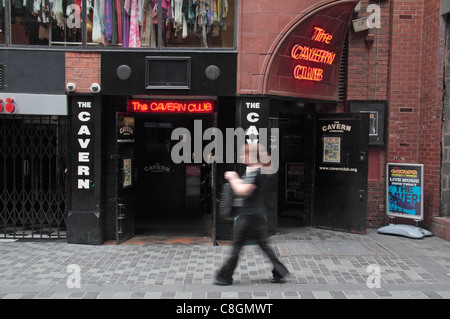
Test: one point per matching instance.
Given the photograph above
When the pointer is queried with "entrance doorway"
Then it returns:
(171, 199)
(294, 182)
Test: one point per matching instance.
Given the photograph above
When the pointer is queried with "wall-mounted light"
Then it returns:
(360, 24)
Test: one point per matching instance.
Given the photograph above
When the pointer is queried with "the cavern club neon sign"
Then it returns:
(171, 106)
(311, 54)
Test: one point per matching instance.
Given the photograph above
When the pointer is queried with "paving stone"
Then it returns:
(323, 264)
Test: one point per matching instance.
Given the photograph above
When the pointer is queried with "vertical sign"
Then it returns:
(255, 123)
(83, 153)
(405, 190)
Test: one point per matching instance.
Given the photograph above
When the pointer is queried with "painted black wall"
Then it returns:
(41, 72)
(224, 85)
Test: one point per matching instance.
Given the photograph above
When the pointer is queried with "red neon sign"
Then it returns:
(306, 73)
(301, 52)
(171, 106)
(321, 36)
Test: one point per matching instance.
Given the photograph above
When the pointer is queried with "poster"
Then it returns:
(127, 177)
(405, 190)
(331, 149)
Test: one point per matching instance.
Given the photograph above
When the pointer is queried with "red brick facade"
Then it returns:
(403, 66)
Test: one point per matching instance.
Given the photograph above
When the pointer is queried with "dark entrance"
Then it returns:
(294, 180)
(171, 198)
(341, 168)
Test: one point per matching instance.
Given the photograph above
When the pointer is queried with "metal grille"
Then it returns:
(32, 171)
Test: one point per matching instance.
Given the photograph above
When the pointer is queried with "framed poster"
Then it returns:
(332, 149)
(376, 110)
(127, 173)
(404, 190)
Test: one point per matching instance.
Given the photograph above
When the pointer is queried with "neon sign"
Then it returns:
(299, 52)
(307, 73)
(321, 36)
(306, 53)
(170, 106)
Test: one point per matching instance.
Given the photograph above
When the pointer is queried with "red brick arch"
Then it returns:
(278, 77)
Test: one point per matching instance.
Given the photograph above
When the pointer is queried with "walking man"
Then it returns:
(251, 220)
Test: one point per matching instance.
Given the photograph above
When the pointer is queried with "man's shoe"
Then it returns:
(220, 281)
(278, 280)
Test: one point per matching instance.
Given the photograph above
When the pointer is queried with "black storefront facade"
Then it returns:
(124, 180)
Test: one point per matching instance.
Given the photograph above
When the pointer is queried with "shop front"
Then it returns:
(33, 145)
(147, 146)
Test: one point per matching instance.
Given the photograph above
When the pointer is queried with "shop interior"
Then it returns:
(170, 198)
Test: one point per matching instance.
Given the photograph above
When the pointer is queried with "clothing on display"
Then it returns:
(132, 23)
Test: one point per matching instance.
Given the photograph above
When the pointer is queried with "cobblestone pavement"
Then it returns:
(323, 264)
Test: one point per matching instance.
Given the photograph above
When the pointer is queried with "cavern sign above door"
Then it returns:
(307, 61)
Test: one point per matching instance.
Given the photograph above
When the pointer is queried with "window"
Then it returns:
(121, 23)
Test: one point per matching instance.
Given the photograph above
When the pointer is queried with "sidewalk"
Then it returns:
(324, 265)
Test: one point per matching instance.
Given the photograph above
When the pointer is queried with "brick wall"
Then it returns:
(367, 79)
(431, 105)
(404, 66)
(445, 169)
(407, 59)
(83, 69)
(368, 63)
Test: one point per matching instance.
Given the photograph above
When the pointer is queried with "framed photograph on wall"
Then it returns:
(377, 119)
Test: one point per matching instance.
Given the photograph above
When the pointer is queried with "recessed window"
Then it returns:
(168, 72)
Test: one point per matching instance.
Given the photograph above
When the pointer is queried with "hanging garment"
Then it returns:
(126, 29)
(185, 28)
(58, 13)
(141, 11)
(154, 12)
(114, 32)
(96, 27)
(108, 20)
(119, 20)
(135, 37)
(178, 12)
(147, 30)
